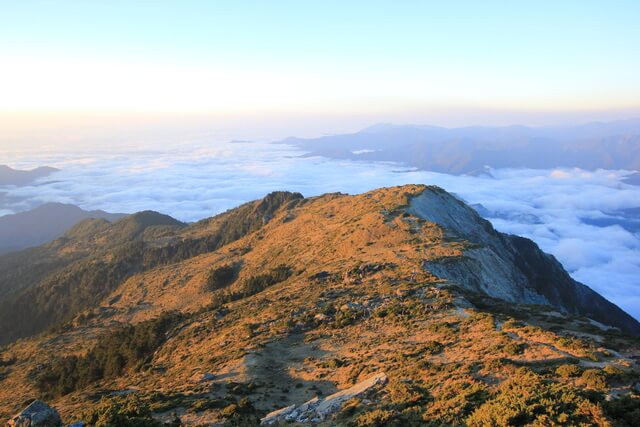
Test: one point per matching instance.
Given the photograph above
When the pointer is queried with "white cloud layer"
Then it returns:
(555, 208)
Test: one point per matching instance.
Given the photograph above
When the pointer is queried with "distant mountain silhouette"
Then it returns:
(43, 224)
(614, 145)
(9, 176)
(633, 179)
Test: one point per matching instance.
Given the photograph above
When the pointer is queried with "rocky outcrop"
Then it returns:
(37, 414)
(317, 410)
(509, 267)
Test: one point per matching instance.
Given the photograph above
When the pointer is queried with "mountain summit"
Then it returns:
(400, 306)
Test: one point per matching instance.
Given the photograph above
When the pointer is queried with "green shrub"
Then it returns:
(412, 416)
(568, 370)
(514, 348)
(407, 393)
(253, 285)
(482, 320)
(442, 328)
(456, 400)
(258, 283)
(512, 324)
(335, 363)
(242, 414)
(208, 403)
(431, 347)
(221, 277)
(595, 379)
(527, 399)
(374, 418)
(121, 411)
(126, 348)
(613, 371)
(347, 317)
(625, 411)
(240, 389)
(572, 343)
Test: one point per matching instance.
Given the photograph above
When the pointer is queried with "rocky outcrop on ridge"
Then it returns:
(37, 414)
(317, 409)
(509, 267)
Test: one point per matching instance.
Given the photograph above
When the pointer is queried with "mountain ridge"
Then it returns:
(43, 224)
(287, 298)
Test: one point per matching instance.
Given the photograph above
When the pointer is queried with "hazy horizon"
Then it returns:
(76, 73)
(98, 132)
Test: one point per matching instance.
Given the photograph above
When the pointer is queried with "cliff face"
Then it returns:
(509, 267)
(288, 299)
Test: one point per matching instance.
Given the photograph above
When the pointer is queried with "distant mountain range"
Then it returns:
(467, 150)
(43, 224)
(9, 176)
(633, 179)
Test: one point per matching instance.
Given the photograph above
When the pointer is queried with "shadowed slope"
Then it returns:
(95, 257)
(43, 224)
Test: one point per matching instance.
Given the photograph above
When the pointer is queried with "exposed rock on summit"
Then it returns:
(508, 267)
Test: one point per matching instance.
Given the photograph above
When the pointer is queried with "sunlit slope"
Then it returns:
(287, 298)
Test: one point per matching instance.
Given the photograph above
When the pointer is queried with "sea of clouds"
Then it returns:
(576, 215)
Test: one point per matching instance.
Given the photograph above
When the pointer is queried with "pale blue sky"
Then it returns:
(377, 58)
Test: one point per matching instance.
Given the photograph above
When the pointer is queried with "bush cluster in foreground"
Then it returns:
(126, 348)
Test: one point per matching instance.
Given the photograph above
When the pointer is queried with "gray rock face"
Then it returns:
(489, 268)
(509, 267)
(484, 270)
(317, 410)
(37, 414)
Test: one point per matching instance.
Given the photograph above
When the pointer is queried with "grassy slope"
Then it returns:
(316, 333)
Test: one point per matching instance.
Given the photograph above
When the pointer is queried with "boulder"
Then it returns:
(37, 414)
(206, 377)
(317, 410)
